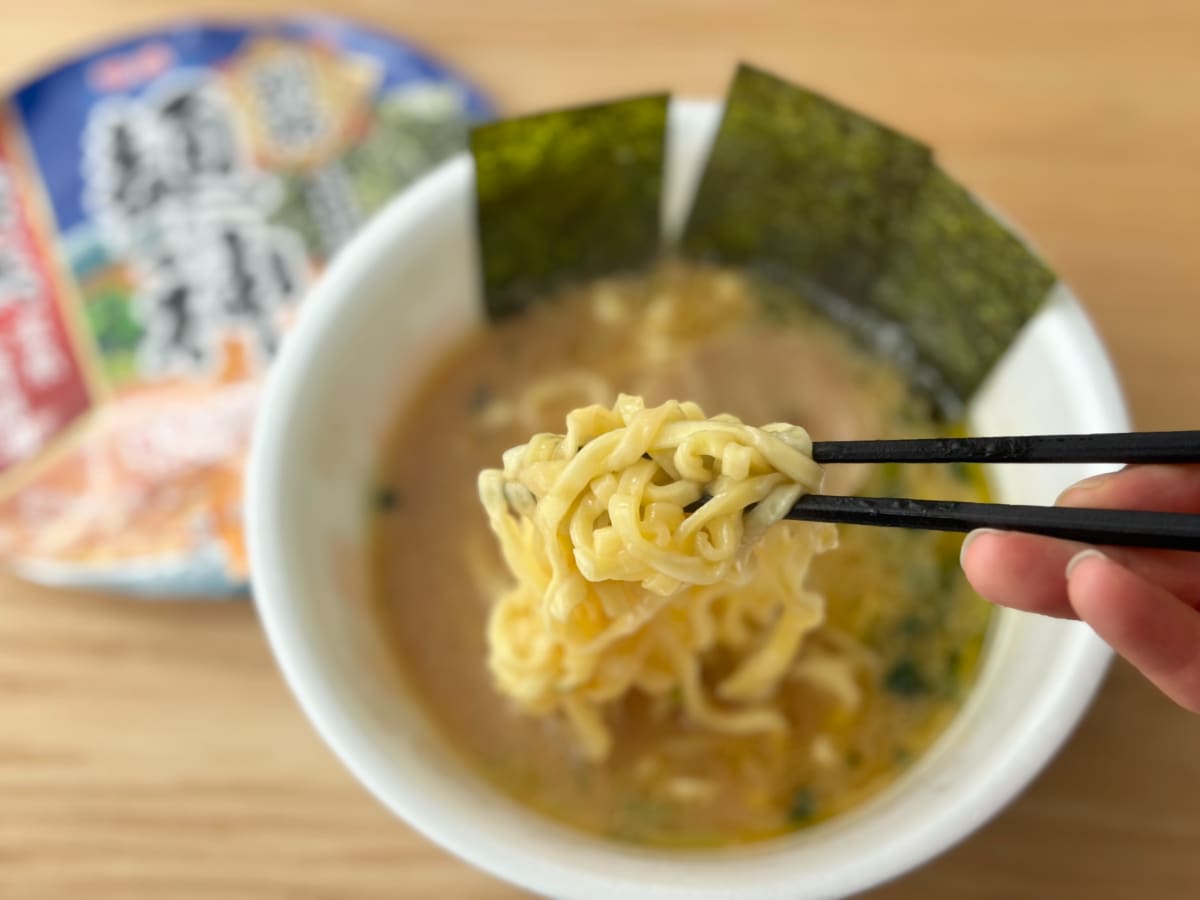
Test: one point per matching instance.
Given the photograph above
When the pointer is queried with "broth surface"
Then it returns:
(898, 608)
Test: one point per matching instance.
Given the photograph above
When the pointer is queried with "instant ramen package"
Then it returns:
(164, 204)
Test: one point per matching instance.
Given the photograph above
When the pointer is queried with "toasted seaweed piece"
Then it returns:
(906, 679)
(813, 195)
(959, 282)
(803, 806)
(798, 181)
(567, 195)
(806, 192)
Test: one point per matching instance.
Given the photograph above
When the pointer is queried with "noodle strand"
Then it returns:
(640, 540)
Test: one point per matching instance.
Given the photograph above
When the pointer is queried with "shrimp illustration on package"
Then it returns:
(165, 203)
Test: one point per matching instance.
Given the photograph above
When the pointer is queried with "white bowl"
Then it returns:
(390, 304)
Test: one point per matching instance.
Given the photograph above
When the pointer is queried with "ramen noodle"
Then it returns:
(622, 585)
(648, 652)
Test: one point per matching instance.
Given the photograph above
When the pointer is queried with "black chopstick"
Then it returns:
(1129, 528)
(1131, 447)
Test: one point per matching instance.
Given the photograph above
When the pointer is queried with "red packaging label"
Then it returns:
(42, 384)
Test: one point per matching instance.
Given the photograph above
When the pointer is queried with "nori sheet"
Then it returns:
(820, 199)
(960, 284)
(798, 181)
(567, 195)
(800, 186)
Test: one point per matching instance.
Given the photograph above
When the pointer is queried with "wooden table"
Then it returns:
(151, 750)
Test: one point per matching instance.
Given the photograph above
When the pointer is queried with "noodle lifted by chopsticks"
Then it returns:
(641, 540)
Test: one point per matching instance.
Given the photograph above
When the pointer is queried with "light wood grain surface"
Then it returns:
(151, 750)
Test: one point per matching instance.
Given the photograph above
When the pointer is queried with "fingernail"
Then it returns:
(970, 538)
(1090, 553)
(1087, 485)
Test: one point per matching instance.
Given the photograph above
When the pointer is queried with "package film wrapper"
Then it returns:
(165, 202)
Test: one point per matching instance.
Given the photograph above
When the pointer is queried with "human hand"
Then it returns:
(1144, 603)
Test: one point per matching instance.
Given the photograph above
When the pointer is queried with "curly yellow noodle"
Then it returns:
(639, 540)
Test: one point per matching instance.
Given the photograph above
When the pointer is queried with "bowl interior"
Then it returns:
(388, 307)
